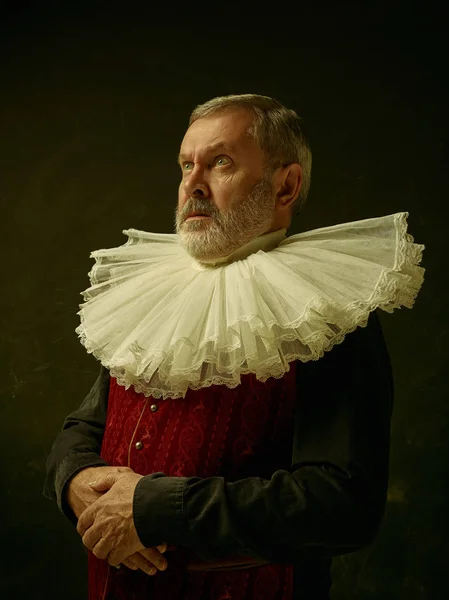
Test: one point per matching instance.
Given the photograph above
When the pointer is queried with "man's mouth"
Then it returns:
(197, 216)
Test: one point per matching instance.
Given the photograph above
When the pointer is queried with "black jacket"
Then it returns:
(329, 503)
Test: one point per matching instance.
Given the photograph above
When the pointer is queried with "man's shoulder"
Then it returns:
(362, 341)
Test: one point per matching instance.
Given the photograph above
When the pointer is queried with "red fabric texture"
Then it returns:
(216, 431)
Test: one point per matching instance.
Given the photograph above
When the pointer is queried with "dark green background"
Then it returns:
(94, 101)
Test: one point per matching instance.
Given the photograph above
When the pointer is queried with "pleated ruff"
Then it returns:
(164, 323)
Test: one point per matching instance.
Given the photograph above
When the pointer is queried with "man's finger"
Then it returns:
(139, 562)
(105, 482)
(130, 564)
(101, 549)
(154, 557)
(91, 537)
(86, 520)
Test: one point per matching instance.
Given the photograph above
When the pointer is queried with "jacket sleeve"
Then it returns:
(332, 499)
(78, 444)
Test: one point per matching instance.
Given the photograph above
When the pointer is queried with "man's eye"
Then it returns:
(187, 166)
(222, 160)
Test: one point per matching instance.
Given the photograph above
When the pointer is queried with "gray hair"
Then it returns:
(275, 128)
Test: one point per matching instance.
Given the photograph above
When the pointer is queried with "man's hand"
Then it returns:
(80, 496)
(147, 560)
(107, 526)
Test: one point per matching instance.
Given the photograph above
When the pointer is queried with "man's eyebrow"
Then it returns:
(210, 149)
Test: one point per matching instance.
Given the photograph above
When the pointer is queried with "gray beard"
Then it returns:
(226, 231)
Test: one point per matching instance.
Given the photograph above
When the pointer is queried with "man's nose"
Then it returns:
(195, 185)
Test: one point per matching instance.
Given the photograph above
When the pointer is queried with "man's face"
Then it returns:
(222, 182)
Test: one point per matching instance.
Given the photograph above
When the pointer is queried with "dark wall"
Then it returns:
(94, 101)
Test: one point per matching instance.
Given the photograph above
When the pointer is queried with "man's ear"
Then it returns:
(288, 180)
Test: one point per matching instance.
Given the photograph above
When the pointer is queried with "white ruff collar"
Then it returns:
(163, 322)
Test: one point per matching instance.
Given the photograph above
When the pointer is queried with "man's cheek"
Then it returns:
(182, 196)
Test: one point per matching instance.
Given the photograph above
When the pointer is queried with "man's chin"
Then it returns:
(198, 248)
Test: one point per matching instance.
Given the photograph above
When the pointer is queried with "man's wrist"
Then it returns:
(68, 469)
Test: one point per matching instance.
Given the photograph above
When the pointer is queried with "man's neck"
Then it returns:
(266, 242)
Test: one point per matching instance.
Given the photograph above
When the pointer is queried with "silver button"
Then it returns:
(153, 407)
(139, 445)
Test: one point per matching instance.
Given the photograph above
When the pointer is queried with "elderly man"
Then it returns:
(237, 437)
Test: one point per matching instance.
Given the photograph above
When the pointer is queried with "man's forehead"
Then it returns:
(208, 149)
(226, 132)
